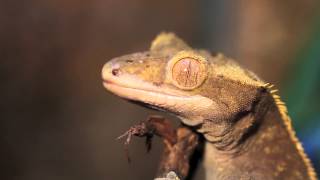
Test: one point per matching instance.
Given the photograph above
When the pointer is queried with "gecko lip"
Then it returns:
(134, 93)
(132, 84)
(147, 98)
(107, 82)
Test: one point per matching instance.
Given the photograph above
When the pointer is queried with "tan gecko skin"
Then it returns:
(248, 132)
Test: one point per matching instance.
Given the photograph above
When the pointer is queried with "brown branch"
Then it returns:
(176, 157)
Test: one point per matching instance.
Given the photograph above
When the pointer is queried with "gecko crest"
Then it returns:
(165, 40)
(287, 121)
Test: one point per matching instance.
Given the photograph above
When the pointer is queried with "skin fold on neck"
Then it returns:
(266, 151)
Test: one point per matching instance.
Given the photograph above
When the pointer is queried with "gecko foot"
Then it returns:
(154, 125)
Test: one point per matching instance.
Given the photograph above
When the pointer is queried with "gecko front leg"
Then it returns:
(179, 145)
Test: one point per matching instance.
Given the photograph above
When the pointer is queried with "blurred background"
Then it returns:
(58, 122)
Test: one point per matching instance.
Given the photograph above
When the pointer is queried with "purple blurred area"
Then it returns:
(57, 121)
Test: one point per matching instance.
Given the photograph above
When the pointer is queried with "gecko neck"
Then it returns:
(268, 150)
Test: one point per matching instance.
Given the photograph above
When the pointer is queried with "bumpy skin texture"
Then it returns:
(248, 132)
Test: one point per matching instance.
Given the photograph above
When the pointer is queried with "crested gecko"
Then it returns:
(245, 124)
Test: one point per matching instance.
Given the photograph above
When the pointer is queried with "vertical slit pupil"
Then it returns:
(185, 72)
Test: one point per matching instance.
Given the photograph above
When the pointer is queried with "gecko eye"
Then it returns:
(187, 71)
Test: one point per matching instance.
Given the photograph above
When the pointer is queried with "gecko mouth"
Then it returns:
(134, 88)
(115, 88)
(180, 105)
(160, 98)
(145, 96)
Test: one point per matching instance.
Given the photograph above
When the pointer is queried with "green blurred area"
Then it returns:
(302, 95)
(302, 91)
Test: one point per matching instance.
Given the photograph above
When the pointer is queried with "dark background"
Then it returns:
(58, 122)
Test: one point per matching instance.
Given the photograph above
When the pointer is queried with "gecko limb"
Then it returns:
(179, 144)
(154, 125)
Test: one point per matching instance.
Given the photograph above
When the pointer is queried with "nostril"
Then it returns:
(115, 72)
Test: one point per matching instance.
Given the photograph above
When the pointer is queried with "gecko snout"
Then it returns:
(110, 69)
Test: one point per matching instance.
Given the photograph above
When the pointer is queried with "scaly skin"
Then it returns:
(248, 132)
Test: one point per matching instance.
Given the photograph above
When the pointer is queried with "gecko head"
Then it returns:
(171, 76)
